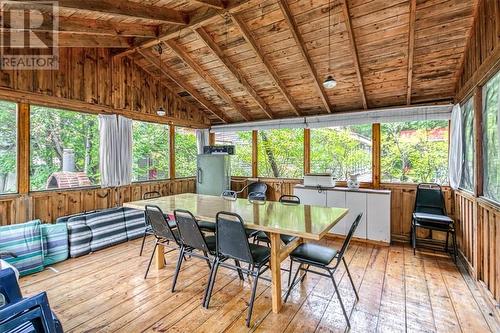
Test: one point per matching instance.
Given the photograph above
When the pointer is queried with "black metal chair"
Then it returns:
(193, 241)
(162, 231)
(319, 256)
(430, 213)
(257, 187)
(232, 243)
(229, 195)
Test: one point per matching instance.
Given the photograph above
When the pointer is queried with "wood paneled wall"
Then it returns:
(50, 205)
(91, 80)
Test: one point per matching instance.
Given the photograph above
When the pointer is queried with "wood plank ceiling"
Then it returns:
(248, 60)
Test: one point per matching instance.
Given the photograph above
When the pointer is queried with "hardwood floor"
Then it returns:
(106, 292)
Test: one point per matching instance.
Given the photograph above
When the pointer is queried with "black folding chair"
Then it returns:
(309, 254)
(193, 241)
(430, 213)
(232, 243)
(162, 231)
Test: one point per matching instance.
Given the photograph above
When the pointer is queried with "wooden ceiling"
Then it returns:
(248, 60)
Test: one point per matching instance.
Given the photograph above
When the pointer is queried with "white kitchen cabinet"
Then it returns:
(379, 218)
(311, 196)
(337, 199)
(356, 203)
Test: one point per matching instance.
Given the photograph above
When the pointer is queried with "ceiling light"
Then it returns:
(330, 82)
(161, 111)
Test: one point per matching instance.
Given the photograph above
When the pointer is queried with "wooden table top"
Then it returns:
(306, 221)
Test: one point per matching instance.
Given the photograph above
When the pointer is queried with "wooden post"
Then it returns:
(255, 155)
(23, 148)
(211, 139)
(275, 271)
(478, 127)
(172, 151)
(307, 150)
(376, 151)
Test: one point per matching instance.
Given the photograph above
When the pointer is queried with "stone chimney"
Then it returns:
(68, 164)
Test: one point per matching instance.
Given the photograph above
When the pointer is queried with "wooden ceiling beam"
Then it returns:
(188, 60)
(269, 68)
(117, 9)
(210, 43)
(354, 51)
(70, 40)
(411, 47)
(290, 20)
(181, 82)
(217, 4)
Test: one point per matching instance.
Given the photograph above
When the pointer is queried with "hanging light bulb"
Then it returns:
(329, 82)
(161, 110)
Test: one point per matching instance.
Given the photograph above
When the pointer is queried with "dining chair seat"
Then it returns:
(260, 254)
(206, 226)
(314, 254)
(261, 236)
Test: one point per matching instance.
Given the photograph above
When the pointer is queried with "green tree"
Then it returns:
(150, 151)
(8, 146)
(186, 152)
(281, 153)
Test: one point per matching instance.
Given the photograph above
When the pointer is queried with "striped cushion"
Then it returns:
(134, 223)
(55, 243)
(79, 236)
(24, 240)
(107, 227)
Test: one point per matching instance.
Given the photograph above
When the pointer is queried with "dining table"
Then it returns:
(306, 222)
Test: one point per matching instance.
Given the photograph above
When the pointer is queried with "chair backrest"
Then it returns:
(9, 288)
(189, 231)
(256, 196)
(151, 195)
(290, 199)
(229, 195)
(430, 199)
(348, 238)
(257, 187)
(231, 238)
(159, 224)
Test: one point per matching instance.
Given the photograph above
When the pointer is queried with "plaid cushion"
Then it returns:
(79, 236)
(24, 240)
(55, 243)
(107, 227)
(135, 223)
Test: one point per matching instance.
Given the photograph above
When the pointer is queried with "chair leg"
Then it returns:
(178, 268)
(293, 283)
(340, 299)
(151, 259)
(210, 286)
(446, 243)
(455, 249)
(350, 278)
(252, 298)
(290, 273)
(414, 237)
(240, 273)
(208, 261)
(305, 273)
(142, 245)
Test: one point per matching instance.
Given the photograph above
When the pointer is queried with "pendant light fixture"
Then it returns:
(161, 110)
(329, 82)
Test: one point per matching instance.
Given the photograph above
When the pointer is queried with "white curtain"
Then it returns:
(455, 160)
(201, 139)
(115, 151)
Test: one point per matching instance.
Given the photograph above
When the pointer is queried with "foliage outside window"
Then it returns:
(150, 151)
(342, 151)
(281, 153)
(415, 152)
(491, 139)
(8, 147)
(64, 149)
(186, 152)
(241, 161)
(467, 181)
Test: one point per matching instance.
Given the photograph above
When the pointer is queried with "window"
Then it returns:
(281, 153)
(8, 147)
(185, 152)
(150, 151)
(64, 149)
(491, 139)
(241, 161)
(342, 151)
(467, 181)
(415, 151)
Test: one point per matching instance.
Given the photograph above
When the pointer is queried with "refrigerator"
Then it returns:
(213, 175)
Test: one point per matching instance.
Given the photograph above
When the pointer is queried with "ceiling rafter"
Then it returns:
(210, 43)
(354, 51)
(197, 19)
(186, 58)
(217, 4)
(411, 47)
(269, 68)
(119, 9)
(181, 82)
(290, 20)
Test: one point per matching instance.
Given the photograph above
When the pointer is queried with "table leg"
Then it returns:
(276, 271)
(160, 256)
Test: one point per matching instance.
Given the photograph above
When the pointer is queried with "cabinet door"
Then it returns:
(356, 203)
(337, 199)
(310, 196)
(379, 217)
